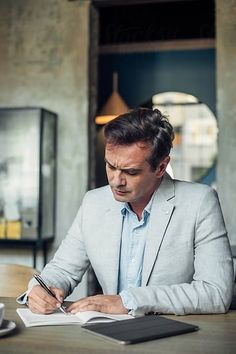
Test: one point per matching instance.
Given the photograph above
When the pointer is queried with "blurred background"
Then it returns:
(68, 66)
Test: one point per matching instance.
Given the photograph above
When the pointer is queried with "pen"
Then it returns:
(46, 288)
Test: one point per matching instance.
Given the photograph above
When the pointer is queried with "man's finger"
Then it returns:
(88, 307)
(39, 300)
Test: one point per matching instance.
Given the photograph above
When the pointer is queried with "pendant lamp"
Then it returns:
(114, 106)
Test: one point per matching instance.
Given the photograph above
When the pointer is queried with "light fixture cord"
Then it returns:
(115, 81)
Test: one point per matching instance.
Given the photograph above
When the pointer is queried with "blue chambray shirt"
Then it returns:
(133, 242)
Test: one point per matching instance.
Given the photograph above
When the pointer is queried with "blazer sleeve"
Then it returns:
(211, 288)
(70, 262)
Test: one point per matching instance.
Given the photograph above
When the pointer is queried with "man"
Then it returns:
(156, 244)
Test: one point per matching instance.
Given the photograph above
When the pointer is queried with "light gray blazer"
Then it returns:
(187, 262)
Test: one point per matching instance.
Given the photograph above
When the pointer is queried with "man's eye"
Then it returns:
(132, 173)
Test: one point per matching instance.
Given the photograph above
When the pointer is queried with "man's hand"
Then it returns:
(102, 303)
(39, 301)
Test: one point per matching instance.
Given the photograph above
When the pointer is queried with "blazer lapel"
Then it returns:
(161, 213)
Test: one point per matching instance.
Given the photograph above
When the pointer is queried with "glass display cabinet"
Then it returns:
(27, 178)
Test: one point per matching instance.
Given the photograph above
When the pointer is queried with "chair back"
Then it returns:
(14, 279)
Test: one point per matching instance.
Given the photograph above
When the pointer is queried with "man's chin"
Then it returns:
(120, 199)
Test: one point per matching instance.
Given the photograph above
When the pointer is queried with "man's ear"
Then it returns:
(162, 167)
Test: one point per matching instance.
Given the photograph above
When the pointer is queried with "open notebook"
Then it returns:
(31, 319)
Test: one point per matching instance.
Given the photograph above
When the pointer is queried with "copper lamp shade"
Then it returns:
(114, 106)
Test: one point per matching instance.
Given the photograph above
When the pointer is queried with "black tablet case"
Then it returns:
(140, 329)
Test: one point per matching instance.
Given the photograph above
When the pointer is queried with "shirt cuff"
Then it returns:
(128, 301)
(23, 298)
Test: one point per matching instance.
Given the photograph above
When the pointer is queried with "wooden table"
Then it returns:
(217, 335)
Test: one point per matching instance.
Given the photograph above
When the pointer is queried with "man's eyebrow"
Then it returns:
(134, 169)
(108, 162)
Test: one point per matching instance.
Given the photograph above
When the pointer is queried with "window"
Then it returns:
(194, 150)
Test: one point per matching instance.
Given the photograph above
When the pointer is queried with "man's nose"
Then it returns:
(118, 179)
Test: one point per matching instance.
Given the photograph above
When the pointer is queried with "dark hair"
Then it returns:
(144, 125)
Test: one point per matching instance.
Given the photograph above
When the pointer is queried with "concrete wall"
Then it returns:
(44, 62)
(226, 94)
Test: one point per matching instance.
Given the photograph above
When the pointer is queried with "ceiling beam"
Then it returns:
(109, 3)
(158, 46)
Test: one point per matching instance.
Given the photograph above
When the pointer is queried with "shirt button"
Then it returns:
(133, 260)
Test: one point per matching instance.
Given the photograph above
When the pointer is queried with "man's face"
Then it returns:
(130, 175)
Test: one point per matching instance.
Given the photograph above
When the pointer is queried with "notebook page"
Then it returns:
(31, 319)
(57, 318)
